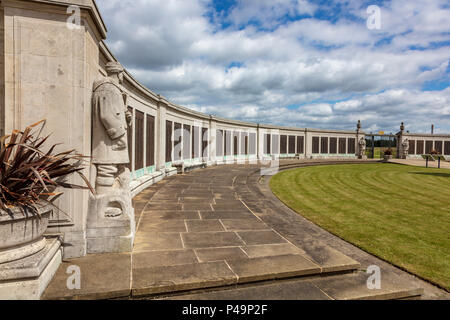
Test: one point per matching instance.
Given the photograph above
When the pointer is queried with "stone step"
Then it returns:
(109, 277)
(176, 278)
(337, 287)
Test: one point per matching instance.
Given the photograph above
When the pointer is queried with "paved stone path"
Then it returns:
(222, 227)
(421, 163)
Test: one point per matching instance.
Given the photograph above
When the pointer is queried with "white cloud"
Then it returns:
(347, 105)
(268, 13)
(175, 49)
(320, 109)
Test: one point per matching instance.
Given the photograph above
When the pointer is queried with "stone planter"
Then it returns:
(21, 234)
(387, 157)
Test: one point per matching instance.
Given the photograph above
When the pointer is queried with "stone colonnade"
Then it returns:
(52, 52)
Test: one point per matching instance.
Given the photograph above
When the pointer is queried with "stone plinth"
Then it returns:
(107, 232)
(27, 278)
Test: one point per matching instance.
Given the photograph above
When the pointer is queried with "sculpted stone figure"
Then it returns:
(362, 147)
(405, 148)
(110, 223)
(110, 122)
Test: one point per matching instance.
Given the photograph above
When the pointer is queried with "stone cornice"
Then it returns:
(427, 135)
(88, 5)
(162, 100)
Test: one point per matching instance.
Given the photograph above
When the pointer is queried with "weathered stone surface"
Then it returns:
(179, 278)
(149, 259)
(110, 233)
(275, 267)
(27, 278)
(244, 224)
(226, 215)
(293, 290)
(157, 206)
(354, 286)
(102, 277)
(211, 239)
(229, 206)
(215, 254)
(21, 233)
(161, 226)
(204, 225)
(330, 259)
(267, 250)
(157, 241)
(196, 206)
(170, 215)
(260, 237)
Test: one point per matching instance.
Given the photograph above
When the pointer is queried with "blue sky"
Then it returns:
(292, 62)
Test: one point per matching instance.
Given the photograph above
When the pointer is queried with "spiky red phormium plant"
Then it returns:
(29, 176)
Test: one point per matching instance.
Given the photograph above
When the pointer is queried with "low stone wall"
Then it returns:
(419, 144)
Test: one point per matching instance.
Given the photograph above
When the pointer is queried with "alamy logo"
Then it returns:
(374, 19)
(374, 281)
(74, 20)
(74, 280)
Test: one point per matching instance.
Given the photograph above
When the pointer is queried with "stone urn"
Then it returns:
(21, 232)
(387, 157)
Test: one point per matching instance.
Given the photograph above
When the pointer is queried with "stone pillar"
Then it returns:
(259, 144)
(212, 141)
(308, 144)
(360, 142)
(261, 133)
(132, 133)
(402, 143)
(50, 65)
(161, 137)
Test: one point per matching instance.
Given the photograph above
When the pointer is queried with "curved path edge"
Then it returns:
(292, 217)
(222, 231)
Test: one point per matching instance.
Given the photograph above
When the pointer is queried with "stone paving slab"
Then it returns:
(227, 215)
(102, 277)
(217, 254)
(273, 267)
(339, 287)
(157, 241)
(147, 259)
(170, 215)
(243, 224)
(260, 237)
(211, 240)
(354, 287)
(157, 225)
(269, 250)
(163, 279)
(169, 205)
(204, 225)
(298, 290)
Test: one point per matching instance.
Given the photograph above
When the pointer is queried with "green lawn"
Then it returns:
(399, 213)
